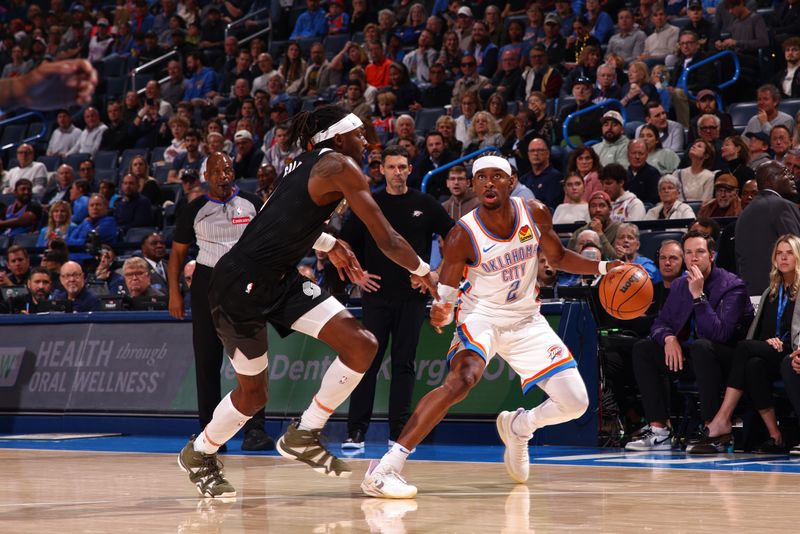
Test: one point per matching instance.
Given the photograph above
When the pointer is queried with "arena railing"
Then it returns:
(242, 20)
(603, 104)
(152, 63)
(168, 55)
(462, 159)
(682, 81)
(24, 117)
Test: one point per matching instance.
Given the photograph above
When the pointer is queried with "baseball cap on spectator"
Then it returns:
(612, 115)
(761, 136)
(464, 11)
(77, 7)
(102, 22)
(552, 18)
(726, 180)
(242, 134)
(695, 4)
(583, 80)
(602, 195)
(706, 93)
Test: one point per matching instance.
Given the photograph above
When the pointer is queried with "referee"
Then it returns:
(216, 221)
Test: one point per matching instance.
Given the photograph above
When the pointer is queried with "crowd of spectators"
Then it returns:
(441, 79)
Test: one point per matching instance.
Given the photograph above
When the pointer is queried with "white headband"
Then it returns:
(347, 124)
(493, 162)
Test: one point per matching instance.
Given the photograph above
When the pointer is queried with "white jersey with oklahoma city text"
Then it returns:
(501, 282)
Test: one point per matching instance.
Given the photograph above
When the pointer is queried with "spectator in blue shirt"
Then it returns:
(98, 221)
(72, 279)
(484, 51)
(79, 196)
(602, 25)
(311, 23)
(203, 80)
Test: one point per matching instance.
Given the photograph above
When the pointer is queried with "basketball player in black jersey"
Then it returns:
(257, 281)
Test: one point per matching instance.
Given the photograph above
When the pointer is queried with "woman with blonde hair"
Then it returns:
(59, 223)
(469, 104)
(483, 132)
(446, 125)
(757, 360)
(638, 91)
(351, 55)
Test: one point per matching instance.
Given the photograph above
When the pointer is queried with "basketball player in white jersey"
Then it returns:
(490, 256)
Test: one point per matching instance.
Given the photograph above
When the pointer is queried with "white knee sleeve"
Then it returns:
(568, 400)
(244, 366)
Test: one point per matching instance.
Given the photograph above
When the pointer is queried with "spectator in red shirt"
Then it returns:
(378, 70)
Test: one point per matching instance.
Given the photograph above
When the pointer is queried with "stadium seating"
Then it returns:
(106, 159)
(426, 118)
(741, 113)
(134, 236)
(26, 240)
(649, 242)
(51, 163)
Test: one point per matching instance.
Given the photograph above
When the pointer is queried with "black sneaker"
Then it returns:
(702, 443)
(257, 440)
(355, 440)
(770, 446)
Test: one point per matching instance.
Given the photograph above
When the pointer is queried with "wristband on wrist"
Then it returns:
(422, 269)
(447, 294)
(325, 242)
(602, 267)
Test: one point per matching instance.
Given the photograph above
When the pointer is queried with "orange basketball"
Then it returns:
(626, 291)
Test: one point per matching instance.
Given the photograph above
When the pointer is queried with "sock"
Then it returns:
(663, 431)
(337, 384)
(396, 457)
(225, 423)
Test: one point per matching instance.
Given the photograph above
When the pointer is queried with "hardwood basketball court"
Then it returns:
(80, 491)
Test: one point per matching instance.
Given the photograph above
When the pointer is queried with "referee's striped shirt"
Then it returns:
(215, 225)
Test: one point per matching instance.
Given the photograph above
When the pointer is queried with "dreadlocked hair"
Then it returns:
(307, 124)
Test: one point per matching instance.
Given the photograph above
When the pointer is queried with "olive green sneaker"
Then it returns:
(305, 446)
(205, 470)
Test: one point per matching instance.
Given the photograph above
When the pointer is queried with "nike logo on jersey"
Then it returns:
(490, 247)
(416, 213)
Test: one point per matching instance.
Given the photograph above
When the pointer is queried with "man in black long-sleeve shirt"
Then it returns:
(395, 309)
(133, 210)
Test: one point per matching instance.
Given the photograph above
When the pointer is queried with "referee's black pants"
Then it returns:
(708, 362)
(208, 352)
(402, 321)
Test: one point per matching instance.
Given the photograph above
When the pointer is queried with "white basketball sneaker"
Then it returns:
(516, 456)
(384, 482)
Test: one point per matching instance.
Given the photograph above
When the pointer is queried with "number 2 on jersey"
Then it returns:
(512, 291)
